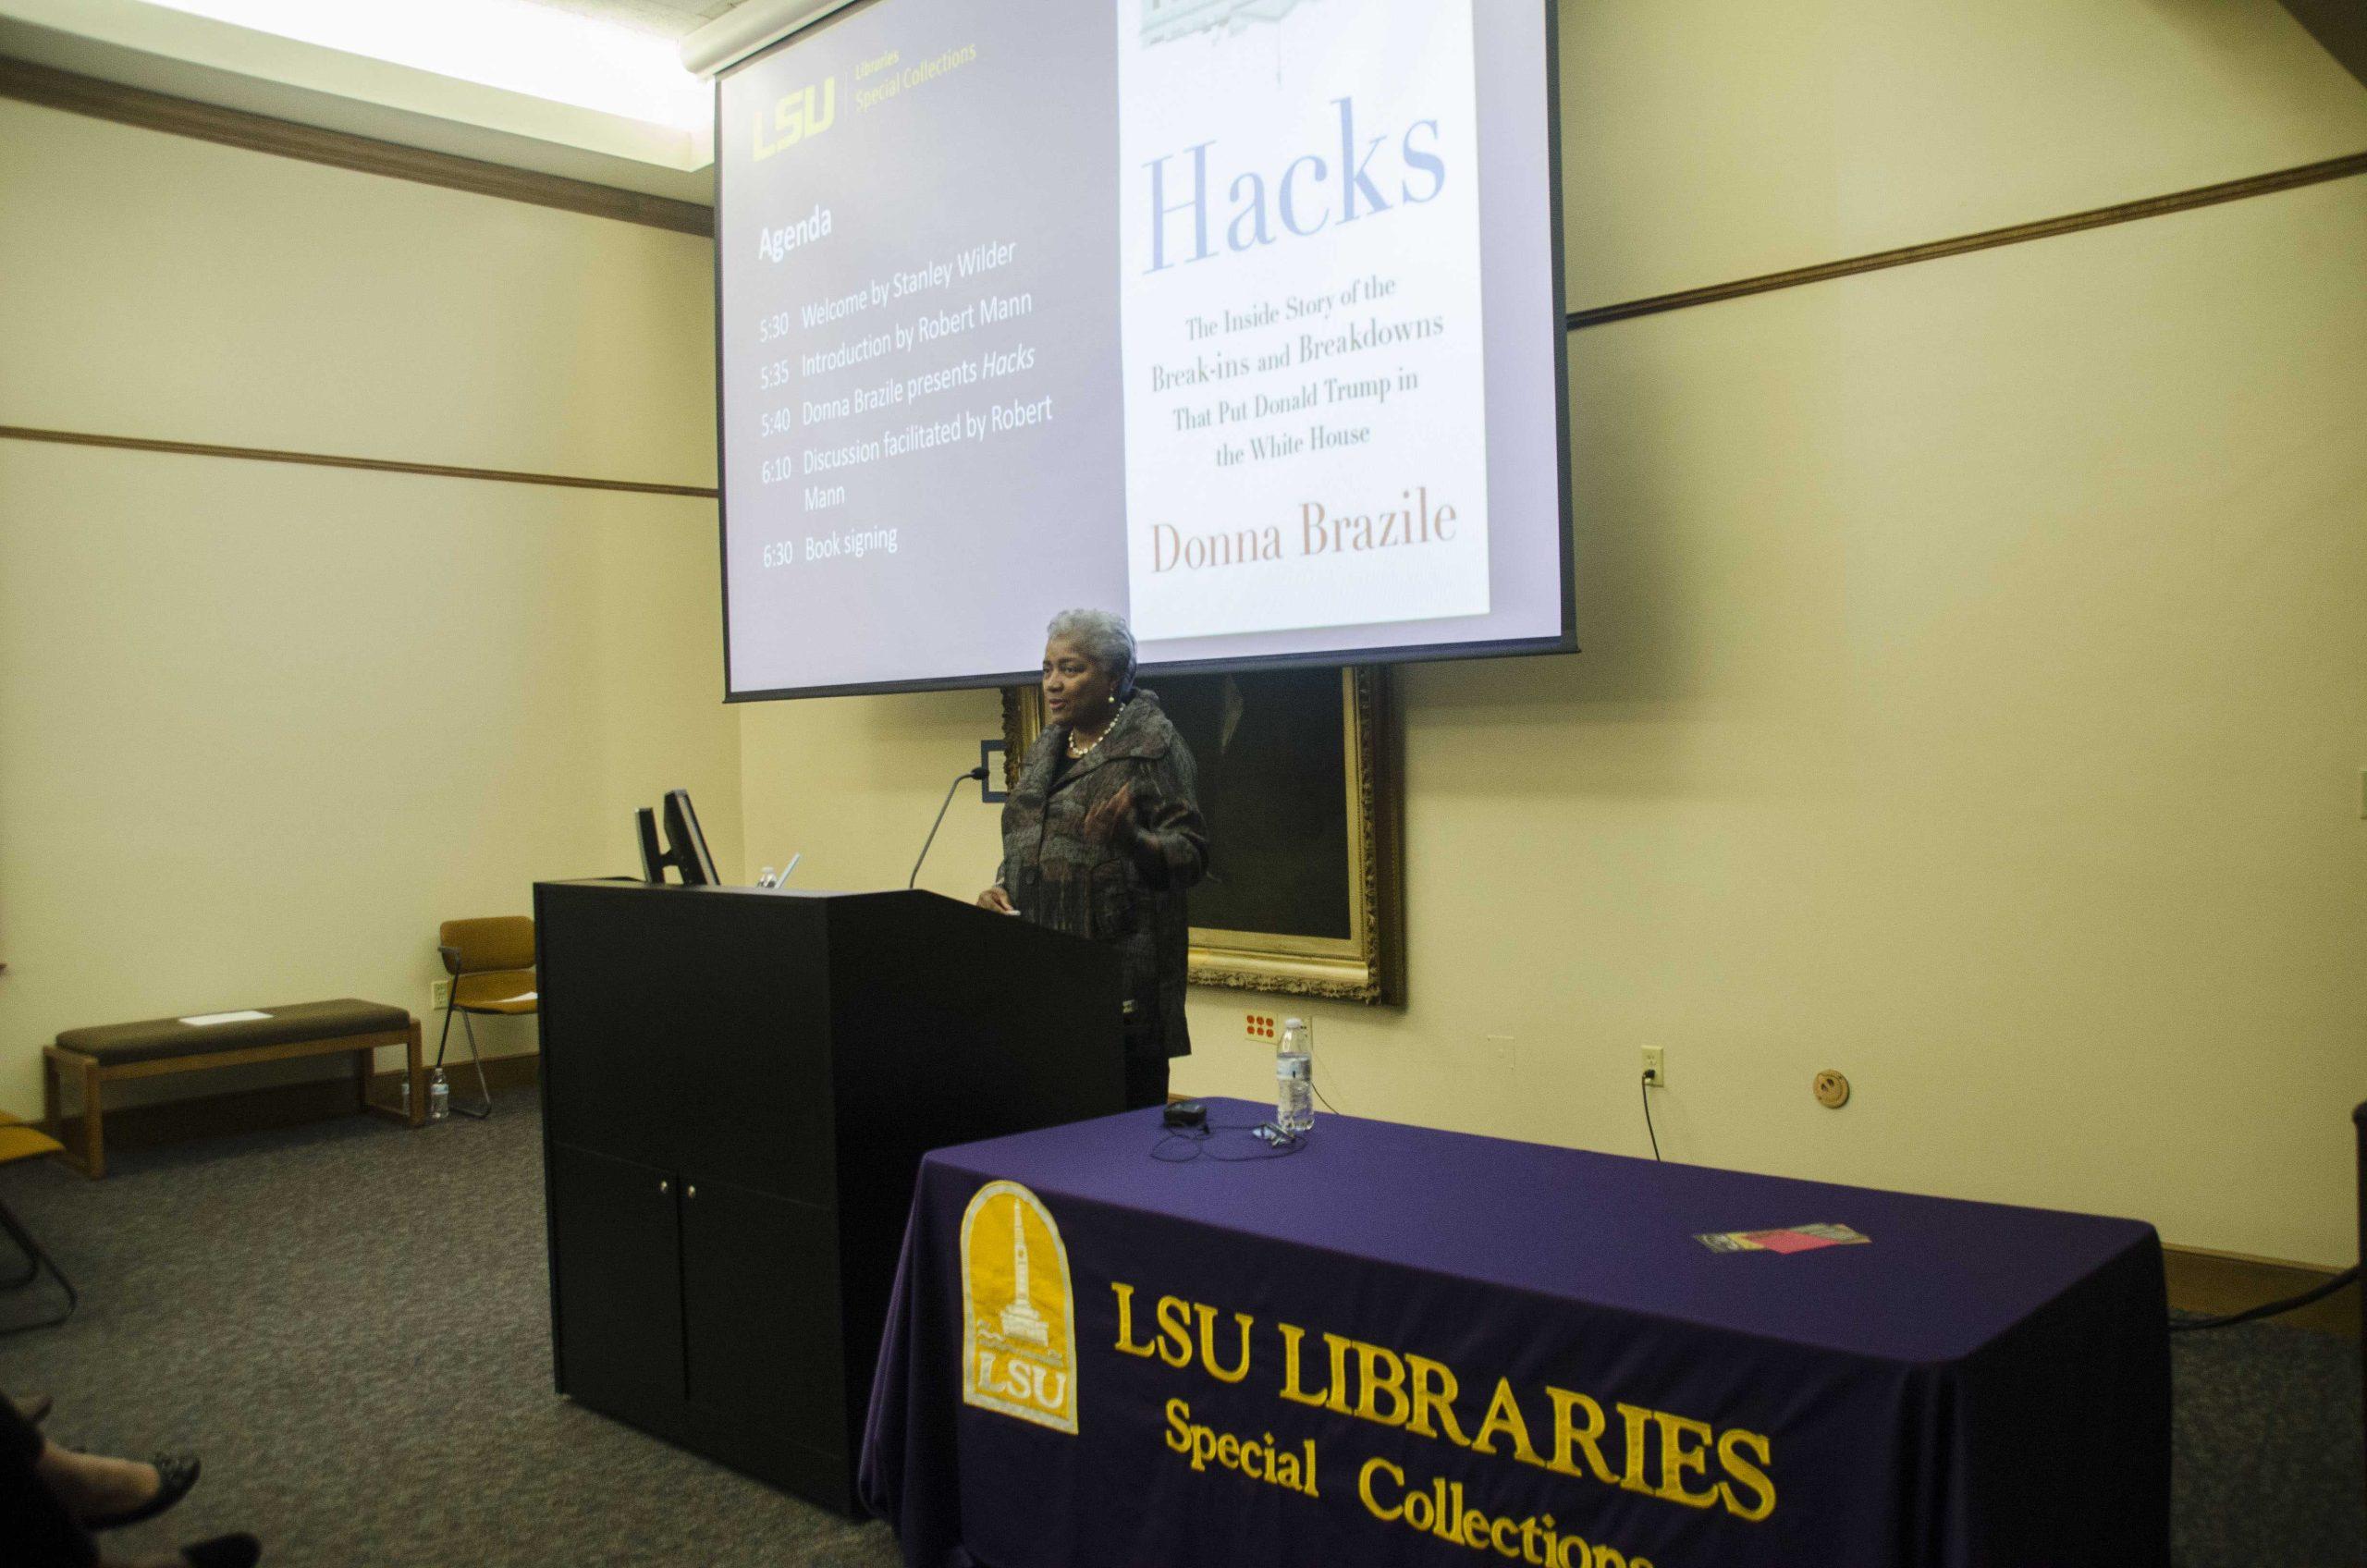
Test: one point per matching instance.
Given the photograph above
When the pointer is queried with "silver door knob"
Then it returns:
(692, 1191)
(665, 1186)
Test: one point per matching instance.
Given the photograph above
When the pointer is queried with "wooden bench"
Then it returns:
(114, 1052)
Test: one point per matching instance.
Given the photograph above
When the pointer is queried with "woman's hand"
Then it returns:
(1113, 820)
(998, 900)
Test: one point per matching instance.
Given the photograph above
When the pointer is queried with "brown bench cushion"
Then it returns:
(116, 1044)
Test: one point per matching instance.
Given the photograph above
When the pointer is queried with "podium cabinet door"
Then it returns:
(616, 1266)
(760, 1281)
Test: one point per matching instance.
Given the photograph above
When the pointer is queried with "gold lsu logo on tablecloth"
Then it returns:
(1019, 1311)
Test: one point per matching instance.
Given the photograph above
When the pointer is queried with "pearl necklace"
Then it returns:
(1077, 754)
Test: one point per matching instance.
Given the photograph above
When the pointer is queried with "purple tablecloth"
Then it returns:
(1502, 1349)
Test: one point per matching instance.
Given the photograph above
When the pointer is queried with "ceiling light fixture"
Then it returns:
(536, 50)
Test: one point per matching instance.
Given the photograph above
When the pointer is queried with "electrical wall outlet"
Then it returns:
(1656, 1067)
(439, 992)
(1263, 1027)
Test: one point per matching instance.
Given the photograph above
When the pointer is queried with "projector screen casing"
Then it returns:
(1564, 640)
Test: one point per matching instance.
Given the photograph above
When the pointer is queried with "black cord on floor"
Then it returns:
(1644, 1086)
(2270, 1309)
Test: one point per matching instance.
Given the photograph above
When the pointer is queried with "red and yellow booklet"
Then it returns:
(1794, 1238)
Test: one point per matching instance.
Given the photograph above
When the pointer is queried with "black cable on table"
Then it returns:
(1197, 1144)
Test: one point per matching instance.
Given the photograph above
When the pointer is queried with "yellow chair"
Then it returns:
(19, 1141)
(492, 966)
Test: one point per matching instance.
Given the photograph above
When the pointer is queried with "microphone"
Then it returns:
(979, 773)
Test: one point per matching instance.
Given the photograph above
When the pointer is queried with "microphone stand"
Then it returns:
(978, 772)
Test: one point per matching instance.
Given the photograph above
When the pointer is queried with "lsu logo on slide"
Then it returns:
(1019, 1311)
(798, 115)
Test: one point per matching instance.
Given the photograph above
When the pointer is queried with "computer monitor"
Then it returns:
(685, 848)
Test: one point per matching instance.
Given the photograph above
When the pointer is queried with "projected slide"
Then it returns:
(1300, 310)
(1237, 316)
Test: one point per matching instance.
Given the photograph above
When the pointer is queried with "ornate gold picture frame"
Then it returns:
(1314, 850)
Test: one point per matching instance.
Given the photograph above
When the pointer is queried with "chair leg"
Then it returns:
(54, 1065)
(417, 1077)
(37, 1259)
(94, 1147)
(484, 1090)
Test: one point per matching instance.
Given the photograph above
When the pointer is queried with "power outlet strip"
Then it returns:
(1263, 1027)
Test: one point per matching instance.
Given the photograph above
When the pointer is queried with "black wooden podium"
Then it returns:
(738, 1085)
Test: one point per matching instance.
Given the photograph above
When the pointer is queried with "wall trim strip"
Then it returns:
(181, 116)
(104, 100)
(157, 111)
(1988, 239)
(322, 459)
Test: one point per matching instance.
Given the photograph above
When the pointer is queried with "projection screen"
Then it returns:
(1242, 318)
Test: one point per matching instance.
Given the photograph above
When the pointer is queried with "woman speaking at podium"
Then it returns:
(1102, 833)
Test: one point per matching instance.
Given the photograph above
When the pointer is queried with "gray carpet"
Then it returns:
(2266, 1458)
(350, 1322)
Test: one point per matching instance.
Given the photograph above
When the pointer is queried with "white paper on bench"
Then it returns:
(202, 1019)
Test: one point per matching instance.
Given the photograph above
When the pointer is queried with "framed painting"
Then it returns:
(1300, 786)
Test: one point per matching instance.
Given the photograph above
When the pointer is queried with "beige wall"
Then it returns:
(1972, 698)
(1705, 140)
(261, 727)
(1975, 688)
(1972, 705)
(851, 783)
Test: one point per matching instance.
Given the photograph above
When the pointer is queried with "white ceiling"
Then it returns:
(164, 50)
(669, 19)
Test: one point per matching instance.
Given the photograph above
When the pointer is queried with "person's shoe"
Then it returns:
(34, 1408)
(176, 1474)
(224, 1552)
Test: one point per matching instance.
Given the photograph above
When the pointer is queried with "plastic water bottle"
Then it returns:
(1295, 1077)
(439, 1097)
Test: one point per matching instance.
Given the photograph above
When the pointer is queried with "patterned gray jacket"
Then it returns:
(1129, 891)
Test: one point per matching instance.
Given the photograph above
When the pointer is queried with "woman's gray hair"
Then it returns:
(1102, 637)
